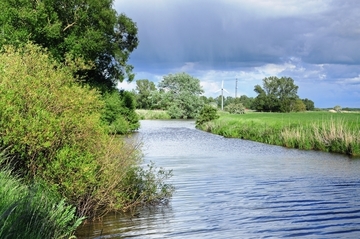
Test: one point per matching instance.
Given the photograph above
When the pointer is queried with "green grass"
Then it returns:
(331, 132)
(32, 212)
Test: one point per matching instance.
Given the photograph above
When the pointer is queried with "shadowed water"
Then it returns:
(232, 188)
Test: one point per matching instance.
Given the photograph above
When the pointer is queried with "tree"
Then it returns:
(90, 29)
(277, 94)
(299, 106)
(337, 108)
(119, 113)
(181, 95)
(309, 104)
(144, 89)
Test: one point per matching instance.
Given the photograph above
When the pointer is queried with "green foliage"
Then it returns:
(43, 109)
(55, 131)
(32, 212)
(153, 114)
(147, 186)
(246, 101)
(119, 112)
(311, 130)
(207, 113)
(235, 108)
(299, 106)
(89, 29)
(144, 90)
(309, 104)
(277, 94)
(181, 95)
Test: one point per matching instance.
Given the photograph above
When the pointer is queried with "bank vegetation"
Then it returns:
(324, 131)
(53, 134)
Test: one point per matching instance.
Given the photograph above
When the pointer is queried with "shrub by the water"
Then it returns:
(207, 113)
(53, 127)
(32, 211)
(119, 112)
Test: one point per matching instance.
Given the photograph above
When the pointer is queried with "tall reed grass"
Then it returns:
(31, 211)
(320, 132)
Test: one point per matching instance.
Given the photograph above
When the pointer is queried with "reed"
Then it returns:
(32, 212)
(310, 131)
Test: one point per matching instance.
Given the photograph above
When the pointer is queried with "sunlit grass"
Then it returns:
(309, 130)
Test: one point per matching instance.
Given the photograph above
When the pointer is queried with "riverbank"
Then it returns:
(324, 131)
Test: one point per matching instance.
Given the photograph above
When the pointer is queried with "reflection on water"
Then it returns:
(232, 188)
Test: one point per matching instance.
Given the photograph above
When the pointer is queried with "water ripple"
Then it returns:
(231, 188)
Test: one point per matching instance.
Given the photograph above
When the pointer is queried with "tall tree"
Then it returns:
(90, 29)
(144, 89)
(277, 94)
(309, 104)
(182, 93)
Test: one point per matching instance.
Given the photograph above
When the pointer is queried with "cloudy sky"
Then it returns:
(315, 42)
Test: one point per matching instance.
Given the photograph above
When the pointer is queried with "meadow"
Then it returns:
(321, 130)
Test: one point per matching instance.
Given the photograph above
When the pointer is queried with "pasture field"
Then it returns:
(320, 130)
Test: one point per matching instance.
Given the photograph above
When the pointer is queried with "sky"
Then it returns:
(315, 42)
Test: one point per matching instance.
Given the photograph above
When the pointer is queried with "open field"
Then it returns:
(330, 132)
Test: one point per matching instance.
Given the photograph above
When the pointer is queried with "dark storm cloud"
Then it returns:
(311, 41)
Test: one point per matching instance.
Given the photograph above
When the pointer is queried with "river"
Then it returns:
(233, 188)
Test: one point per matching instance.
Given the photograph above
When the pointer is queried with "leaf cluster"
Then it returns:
(89, 29)
(54, 129)
(207, 113)
(276, 95)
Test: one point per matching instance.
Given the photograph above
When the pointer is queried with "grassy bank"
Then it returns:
(338, 133)
(153, 114)
(30, 211)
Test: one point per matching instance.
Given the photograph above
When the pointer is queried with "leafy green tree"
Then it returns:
(309, 104)
(181, 95)
(144, 89)
(119, 112)
(90, 29)
(299, 106)
(246, 101)
(277, 94)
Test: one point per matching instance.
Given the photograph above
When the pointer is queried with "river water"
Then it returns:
(233, 188)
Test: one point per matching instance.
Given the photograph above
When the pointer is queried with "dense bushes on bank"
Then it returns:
(56, 135)
(32, 211)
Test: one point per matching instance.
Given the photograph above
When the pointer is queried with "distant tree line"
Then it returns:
(181, 95)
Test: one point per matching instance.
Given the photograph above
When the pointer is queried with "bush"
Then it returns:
(54, 128)
(32, 212)
(119, 112)
(207, 114)
(235, 108)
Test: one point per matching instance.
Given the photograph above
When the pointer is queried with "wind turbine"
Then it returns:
(222, 94)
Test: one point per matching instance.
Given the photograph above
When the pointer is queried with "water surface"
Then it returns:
(233, 188)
